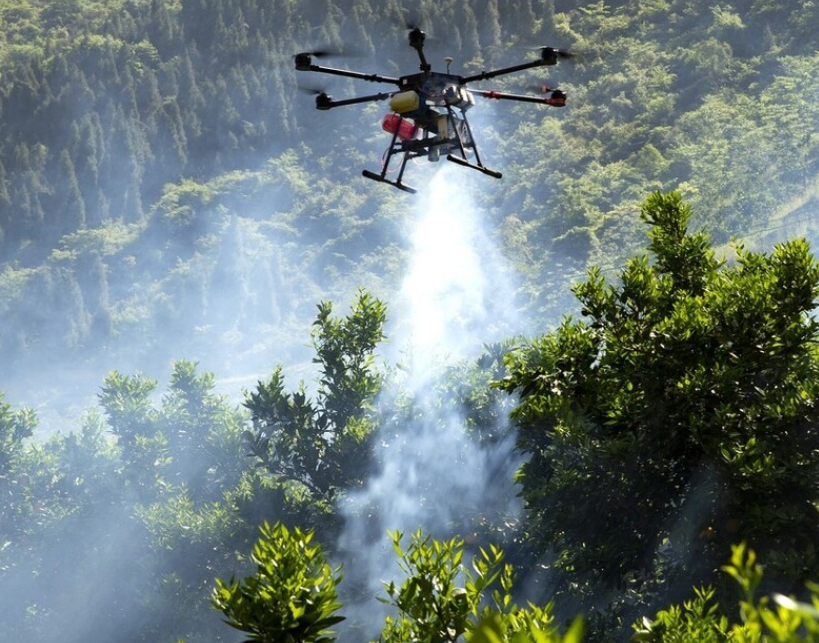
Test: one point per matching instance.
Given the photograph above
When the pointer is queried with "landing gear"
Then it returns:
(453, 138)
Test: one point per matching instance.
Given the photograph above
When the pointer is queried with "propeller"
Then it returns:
(323, 99)
(305, 58)
(541, 89)
(323, 53)
(417, 37)
(415, 26)
(562, 53)
(412, 21)
(550, 55)
(310, 91)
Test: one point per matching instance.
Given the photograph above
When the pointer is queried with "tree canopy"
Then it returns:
(678, 416)
(169, 193)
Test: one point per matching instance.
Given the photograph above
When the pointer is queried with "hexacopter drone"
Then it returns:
(428, 116)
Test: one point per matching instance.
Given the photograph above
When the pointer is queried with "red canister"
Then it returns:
(406, 129)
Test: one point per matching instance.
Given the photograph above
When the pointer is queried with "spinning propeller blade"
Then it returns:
(311, 91)
(562, 53)
(316, 54)
(541, 89)
(304, 59)
(329, 52)
(323, 99)
(412, 21)
(414, 24)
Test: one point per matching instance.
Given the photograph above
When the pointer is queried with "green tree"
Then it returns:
(184, 485)
(204, 433)
(443, 601)
(292, 596)
(702, 619)
(193, 439)
(126, 401)
(680, 416)
(325, 444)
(16, 427)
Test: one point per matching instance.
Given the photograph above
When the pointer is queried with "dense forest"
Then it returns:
(161, 171)
(585, 390)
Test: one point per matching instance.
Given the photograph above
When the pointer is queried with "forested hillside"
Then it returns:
(160, 169)
(172, 206)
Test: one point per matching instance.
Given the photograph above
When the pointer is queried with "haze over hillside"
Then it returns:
(163, 176)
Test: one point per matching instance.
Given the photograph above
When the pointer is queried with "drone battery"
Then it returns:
(406, 129)
(405, 102)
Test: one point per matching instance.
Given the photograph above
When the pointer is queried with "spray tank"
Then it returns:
(404, 127)
(405, 106)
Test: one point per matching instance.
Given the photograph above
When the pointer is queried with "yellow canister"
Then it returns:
(404, 102)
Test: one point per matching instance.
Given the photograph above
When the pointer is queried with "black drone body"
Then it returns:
(428, 117)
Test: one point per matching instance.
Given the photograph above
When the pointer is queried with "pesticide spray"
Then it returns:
(456, 297)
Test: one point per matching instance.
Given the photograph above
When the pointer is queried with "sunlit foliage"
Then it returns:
(678, 416)
(292, 596)
(775, 619)
(324, 445)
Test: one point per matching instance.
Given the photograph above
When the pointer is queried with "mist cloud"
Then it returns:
(432, 474)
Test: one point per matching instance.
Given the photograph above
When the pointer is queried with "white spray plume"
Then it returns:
(432, 475)
(457, 294)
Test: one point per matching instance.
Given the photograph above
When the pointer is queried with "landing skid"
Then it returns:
(382, 179)
(462, 161)
(432, 147)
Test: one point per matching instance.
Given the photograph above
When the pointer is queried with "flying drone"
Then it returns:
(428, 109)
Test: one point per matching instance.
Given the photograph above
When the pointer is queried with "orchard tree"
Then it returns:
(16, 427)
(204, 433)
(680, 416)
(442, 600)
(324, 445)
(768, 619)
(132, 419)
(192, 439)
(183, 485)
(292, 596)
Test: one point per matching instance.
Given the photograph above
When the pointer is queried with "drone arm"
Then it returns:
(484, 75)
(373, 78)
(555, 99)
(324, 102)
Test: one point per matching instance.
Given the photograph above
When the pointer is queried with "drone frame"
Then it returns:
(456, 139)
